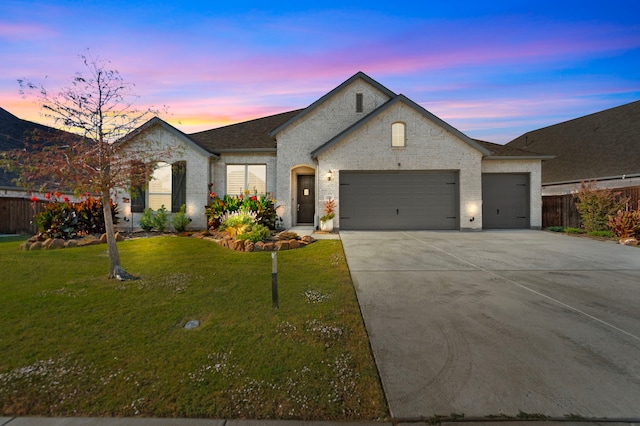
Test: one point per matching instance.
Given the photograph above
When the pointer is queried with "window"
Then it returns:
(359, 102)
(252, 177)
(398, 134)
(167, 187)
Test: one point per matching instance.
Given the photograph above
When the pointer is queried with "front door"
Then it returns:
(306, 199)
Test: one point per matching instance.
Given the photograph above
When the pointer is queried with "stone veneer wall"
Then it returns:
(197, 176)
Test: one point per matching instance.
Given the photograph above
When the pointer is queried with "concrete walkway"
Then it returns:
(500, 323)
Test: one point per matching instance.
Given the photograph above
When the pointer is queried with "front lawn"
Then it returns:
(75, 343)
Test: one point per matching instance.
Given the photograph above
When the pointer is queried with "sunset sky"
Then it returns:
(494, 70)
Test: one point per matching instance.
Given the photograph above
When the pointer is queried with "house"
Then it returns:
(604, 146)
(386, 161)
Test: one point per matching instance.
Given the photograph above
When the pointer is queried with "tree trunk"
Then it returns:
(115, 269)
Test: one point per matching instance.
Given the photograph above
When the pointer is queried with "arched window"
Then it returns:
(398, 134)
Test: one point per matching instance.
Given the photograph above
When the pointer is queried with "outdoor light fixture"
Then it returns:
(329, 175)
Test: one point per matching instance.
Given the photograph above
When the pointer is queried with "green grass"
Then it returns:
(75, 343)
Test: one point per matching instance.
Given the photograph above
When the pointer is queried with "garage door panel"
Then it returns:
(505, 201)
(404, 200)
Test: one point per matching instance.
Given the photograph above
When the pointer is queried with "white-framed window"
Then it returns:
(241, 177)
(398, 134)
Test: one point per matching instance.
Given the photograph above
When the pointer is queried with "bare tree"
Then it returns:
(98, 110)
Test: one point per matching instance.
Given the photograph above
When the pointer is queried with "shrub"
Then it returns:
(238, 222)
(555, 228)
(147, 220)
(596, 205)
(180, 219)
(69, 220)
(625, 224)
(255, 233)
(160, 219)
(263, 207)
(603, 234)
(574, 230)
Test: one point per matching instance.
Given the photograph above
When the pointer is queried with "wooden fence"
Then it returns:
(16, 215)
(560, 210)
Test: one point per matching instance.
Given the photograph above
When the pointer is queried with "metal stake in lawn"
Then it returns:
(274, 280)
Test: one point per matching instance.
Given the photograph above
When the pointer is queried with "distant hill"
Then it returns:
(14, 132)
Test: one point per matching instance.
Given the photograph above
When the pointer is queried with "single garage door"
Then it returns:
(505, 201)
(399, 200)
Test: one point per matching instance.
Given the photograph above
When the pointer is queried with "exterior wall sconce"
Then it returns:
(329, 175)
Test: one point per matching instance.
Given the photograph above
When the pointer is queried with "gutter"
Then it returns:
(601, 179)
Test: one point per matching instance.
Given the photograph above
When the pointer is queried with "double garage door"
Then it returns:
(399, 200)
(428, 200)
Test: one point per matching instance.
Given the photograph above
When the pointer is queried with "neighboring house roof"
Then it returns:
(504, 152)
(396, 99)
(156, 121)
(14, 134)
(602, 145)
(313, 106)
(253, 135)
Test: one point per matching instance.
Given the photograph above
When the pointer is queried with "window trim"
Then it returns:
(246, 178)
(395, 138)
(359, 102)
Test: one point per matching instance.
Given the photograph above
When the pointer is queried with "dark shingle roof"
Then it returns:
(249, 135)
(604, 144)
(504, 151)
(14, 133)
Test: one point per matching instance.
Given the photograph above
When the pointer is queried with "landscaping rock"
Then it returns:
(249, 246)
(35, 246)
(89, 240)
(282, 245)
(103, 239)
(308, 239)
(119, 236)
(259, 246)
(237, 245)
(47, 243)
(56, 243)
(294, 244)
(25, 246)
(72, 243)
(269, 246)
(629, 241)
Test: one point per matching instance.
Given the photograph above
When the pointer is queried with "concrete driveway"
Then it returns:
(500, 322)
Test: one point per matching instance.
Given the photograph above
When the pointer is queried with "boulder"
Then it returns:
(103, 239)
(629, 241)
(294, 244)
(308, 239)
(25, 246)
(47, 243)
(259, 246)
(89, 240)
(35, 246)
(237, 245)
(269, 246)
(72, 243)
(119, 237)
(57, 243)
(249, 246)
(282, 245)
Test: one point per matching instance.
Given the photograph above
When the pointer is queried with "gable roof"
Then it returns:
(313, 106)
(156, 121)
(253, 135)
(600, 145)
(396, 99)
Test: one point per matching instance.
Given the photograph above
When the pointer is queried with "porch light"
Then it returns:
(329, 175)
